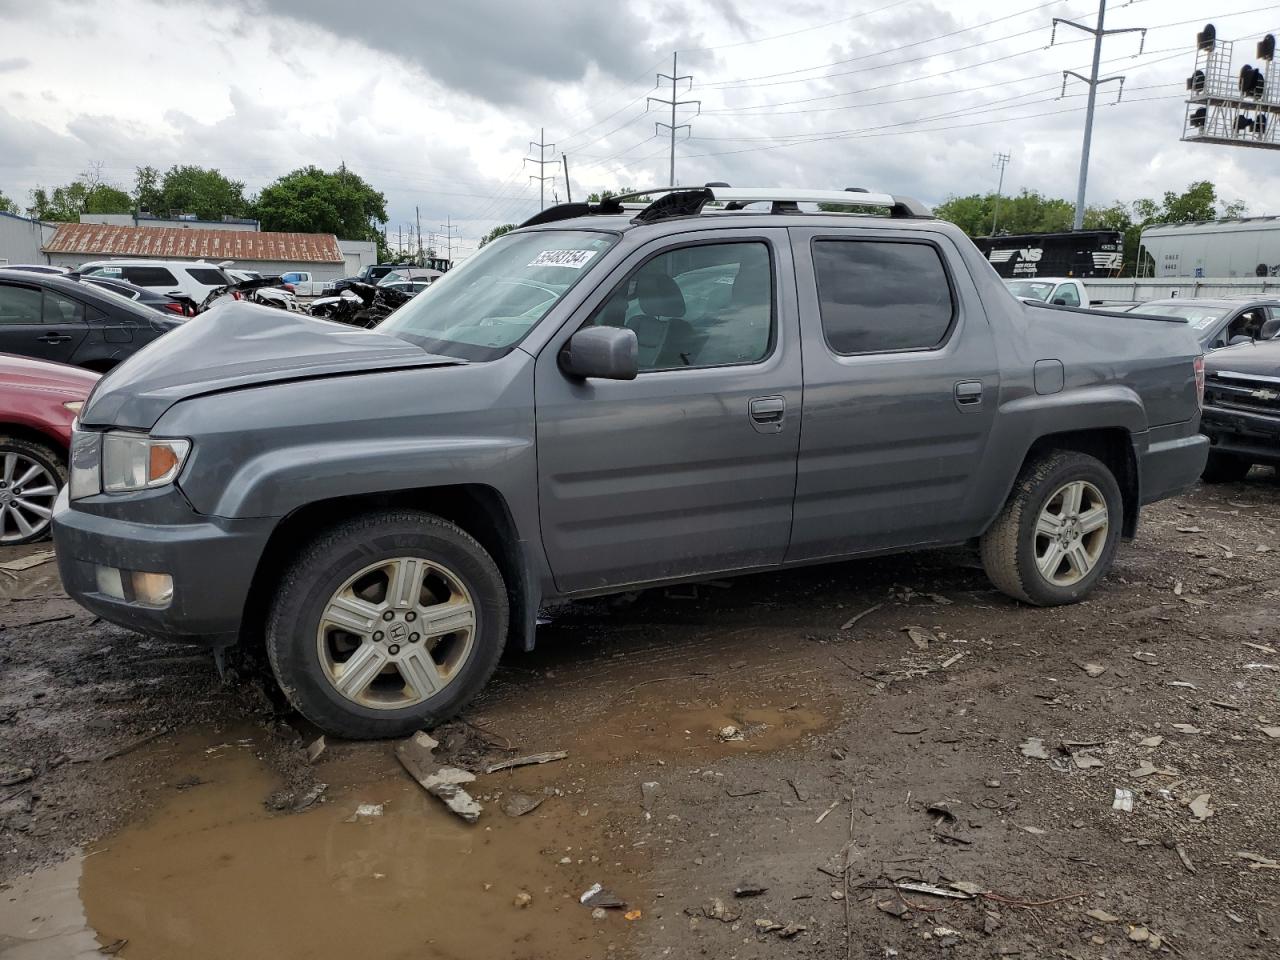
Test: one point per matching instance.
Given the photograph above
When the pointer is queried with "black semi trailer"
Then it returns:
(1083, 254)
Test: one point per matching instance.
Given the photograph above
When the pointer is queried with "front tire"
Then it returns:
(1058, 532)
(387, 623)
(31, 474)
(1225, 468)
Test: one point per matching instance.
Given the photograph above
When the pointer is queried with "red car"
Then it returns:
(38, 402)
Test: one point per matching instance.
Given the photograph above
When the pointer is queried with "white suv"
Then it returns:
(187, 278)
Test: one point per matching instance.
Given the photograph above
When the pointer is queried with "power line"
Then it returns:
(542, 162)
(673, 103)
(793, 33)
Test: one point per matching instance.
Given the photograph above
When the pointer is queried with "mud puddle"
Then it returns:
(212, 874)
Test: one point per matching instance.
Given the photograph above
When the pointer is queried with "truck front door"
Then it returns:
(690, 468)
(900, 390)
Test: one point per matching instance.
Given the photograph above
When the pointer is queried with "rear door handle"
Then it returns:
(767, 413)
(968, 394)
(54, 338)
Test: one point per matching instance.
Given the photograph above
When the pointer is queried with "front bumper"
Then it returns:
(1252, 436)
(211, 560)
(1171, 464)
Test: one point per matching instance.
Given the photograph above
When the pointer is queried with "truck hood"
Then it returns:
(236, 346)
(1248, 359)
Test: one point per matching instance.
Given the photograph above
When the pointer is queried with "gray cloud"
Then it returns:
(10, 64)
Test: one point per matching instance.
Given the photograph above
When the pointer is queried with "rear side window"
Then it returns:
(60, 309)
(209, 276)
(1067, 294)
(876, 295)
(19, 304)
(150, 276)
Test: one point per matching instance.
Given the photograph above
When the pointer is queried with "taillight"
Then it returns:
(175, 307)
(290, 287)
(1199, 367)
(235, 295)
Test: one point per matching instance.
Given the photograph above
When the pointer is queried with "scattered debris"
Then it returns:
(1181, 683)
(113, 948)
(1139, 934)
(1259, 646)
(598, 896)
(823, 815)
(730, 733)
(12, 777)
(1084, 761)
(1200, 808)
(764, 925)
(599, 913)
(942, 811)
(316, 749)
(130, 747)
(714, 909)
(444, 783)
(1150, 741)
(1224, 705)
(1102, 916)
(1272, 732)
(848, 624)
(1186, 728)
(791, 929)
(895, 908)
(29, 561)
(1034, 748)
(366, 810)
(649, 791)
(309, 798)
(1146, 768)
(1036, 831)
(526, 761)
(951, 661)
(1148, 658)
(1123, 800)
(522, 899)
(909, 730)
(920, 637)
(518, 804)
(1257, 862)
(918, 886)
(1181, 851)
(1093, 669)
(749, 890)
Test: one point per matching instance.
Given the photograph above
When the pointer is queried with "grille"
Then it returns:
(1255, 397)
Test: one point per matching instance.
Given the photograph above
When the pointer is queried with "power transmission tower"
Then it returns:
(675, 78)
(417, 217)
(542, 163)
(448, 229)
(1093, 82)
(1001, 161)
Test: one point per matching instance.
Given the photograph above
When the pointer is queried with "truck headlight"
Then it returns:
(135, 461)
(119, 462)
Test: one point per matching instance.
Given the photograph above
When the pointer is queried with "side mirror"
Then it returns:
(606, 353)
(1059, 302)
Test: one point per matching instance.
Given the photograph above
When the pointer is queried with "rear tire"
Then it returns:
(386, 624)
(1057, 534)
(1225, 468)
(26, 508)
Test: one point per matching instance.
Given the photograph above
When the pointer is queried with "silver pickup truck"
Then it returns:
(609, 398)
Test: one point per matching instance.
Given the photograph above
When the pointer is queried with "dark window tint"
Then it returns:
(1067, 294)
(60, 309)
(150, 276)
(701, 306)
(877, 296)
(210, 276)
(19, 304)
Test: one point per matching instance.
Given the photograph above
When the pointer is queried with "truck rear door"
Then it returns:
(690, 468)
(900, 391)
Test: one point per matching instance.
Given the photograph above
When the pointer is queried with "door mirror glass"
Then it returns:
(1059, 301)
(606, 353)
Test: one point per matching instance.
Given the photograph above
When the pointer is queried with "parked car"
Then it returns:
(409, 287)
(66, 320)
(165, 303)
(272, 295)
(193, 279)
(374, 272)
(305, 283)
(1242, 408)
(385, 510)
(408, 274)
(1221, 322)
(34, 267)
(1060, 291)
(38, 402)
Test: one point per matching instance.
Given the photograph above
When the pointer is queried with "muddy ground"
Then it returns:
(151, 810)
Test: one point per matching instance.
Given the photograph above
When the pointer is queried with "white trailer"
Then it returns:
(1246, 247)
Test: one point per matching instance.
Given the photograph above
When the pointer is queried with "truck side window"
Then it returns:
(877, 295)
(707, 305)
(1067, 293)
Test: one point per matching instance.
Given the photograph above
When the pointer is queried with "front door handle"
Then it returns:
(54, 338)
(767, 413)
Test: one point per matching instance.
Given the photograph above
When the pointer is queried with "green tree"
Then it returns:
(66, 203)
(7, 205)
(147, 194)
(1026, 212)
(1200, 201)
(606, 194)
(308, 200)
(496, 232)
(207, 193)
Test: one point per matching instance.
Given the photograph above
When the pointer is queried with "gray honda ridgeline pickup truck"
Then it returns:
(601, 401)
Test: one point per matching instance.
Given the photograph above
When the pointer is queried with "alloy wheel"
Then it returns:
(1071, 533)
(27, 492)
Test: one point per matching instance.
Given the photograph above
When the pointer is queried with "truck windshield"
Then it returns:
(1031, 289)
(483, 307)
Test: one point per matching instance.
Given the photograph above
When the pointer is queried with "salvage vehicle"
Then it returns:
(38, 403)
(1061, 291)
(1242, 409)
(193, 279)
(601, 401)
(67, 320)
(1222, 322)
(166, 303)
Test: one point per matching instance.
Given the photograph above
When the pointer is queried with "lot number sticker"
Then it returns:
(573, 259)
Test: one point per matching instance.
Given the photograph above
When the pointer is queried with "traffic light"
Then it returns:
(1267, 47)
(1252, 82)
(1206, 37)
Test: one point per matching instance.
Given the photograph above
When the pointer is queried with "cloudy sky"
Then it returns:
(435, 103)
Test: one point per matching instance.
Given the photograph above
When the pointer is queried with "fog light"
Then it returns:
(153, 589)
(109, 583)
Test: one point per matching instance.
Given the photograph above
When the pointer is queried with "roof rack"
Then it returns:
(690, 201)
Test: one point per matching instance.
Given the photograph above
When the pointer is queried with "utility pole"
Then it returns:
(418, 219)
(448, 228)
(542, 162)
(1092, 80)
(568, 191)
(675, 78)
(1001, 161)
